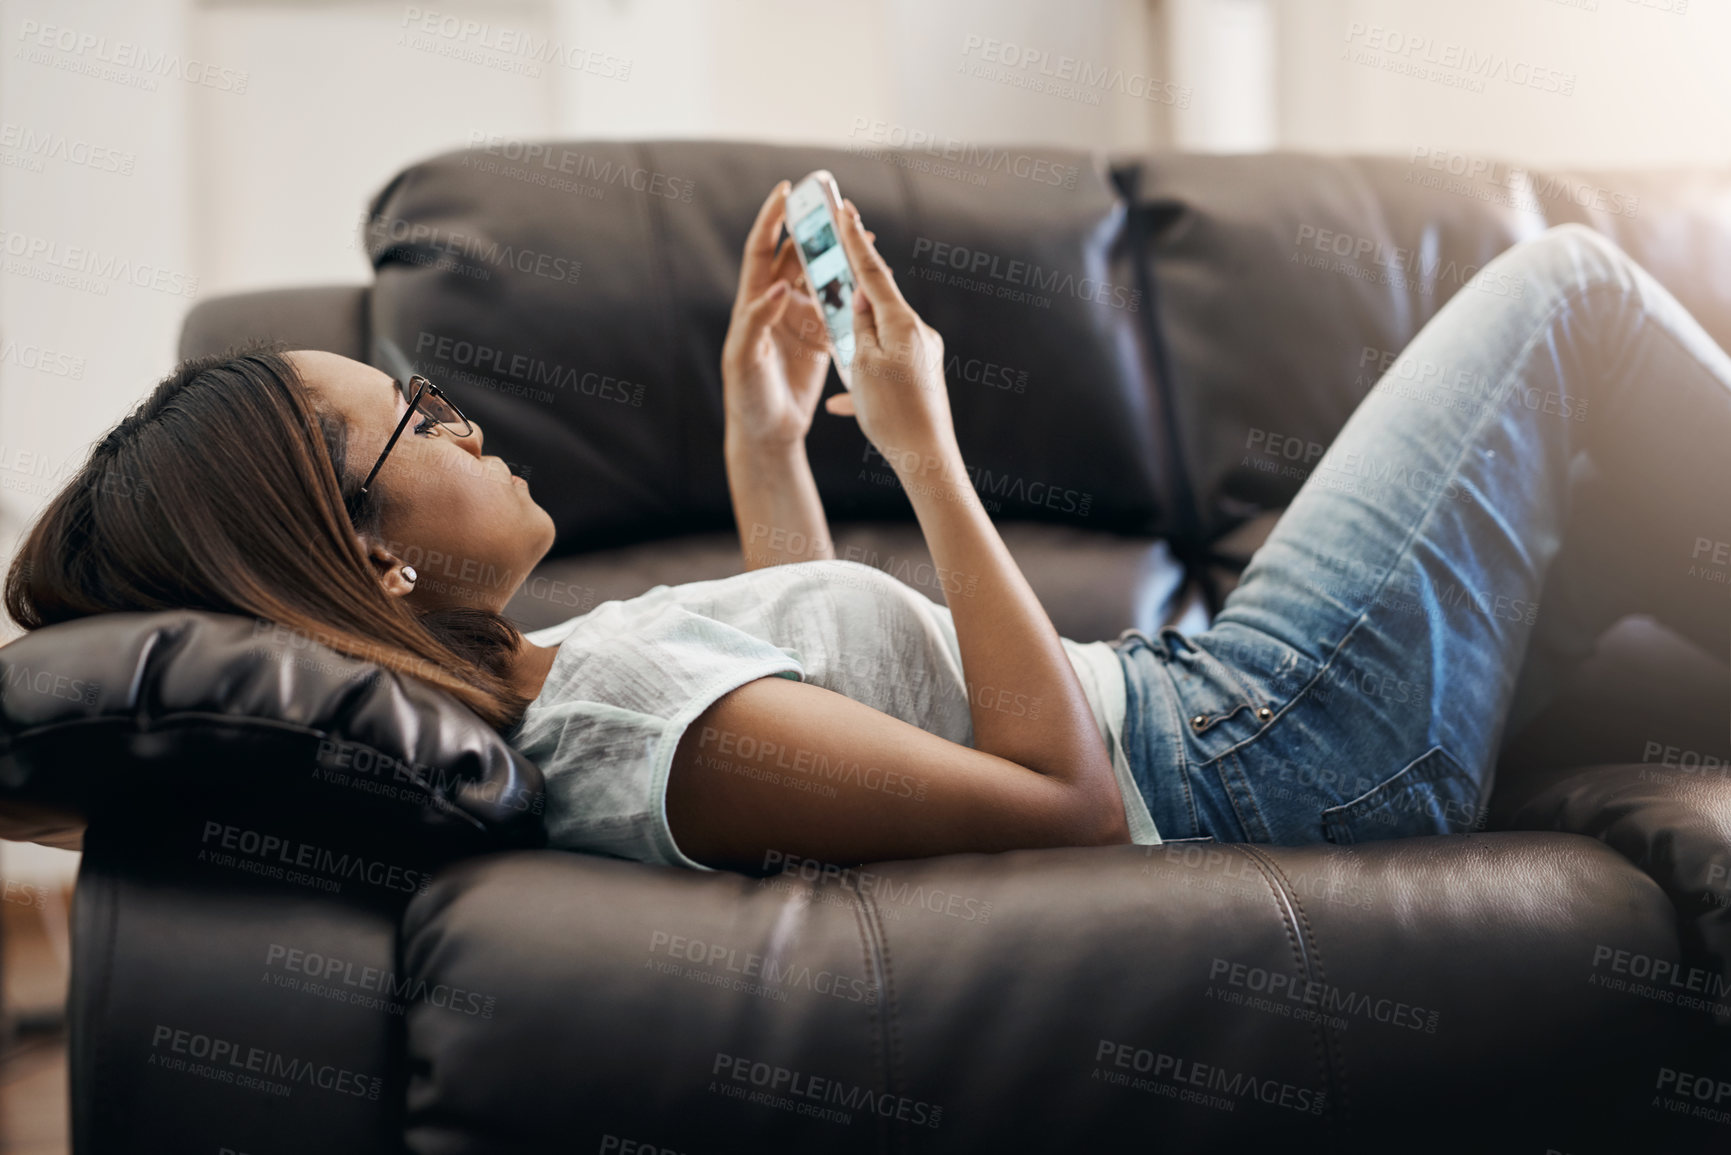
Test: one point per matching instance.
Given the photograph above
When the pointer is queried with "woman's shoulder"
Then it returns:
(646, 654)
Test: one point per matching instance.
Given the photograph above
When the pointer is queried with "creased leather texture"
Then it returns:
(1672, 821)
(979, 1002)
(102, 716)
(626, 442)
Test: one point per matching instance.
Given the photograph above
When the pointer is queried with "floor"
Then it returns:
(33, 929)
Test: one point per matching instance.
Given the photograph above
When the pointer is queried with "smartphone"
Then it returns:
(813, 205)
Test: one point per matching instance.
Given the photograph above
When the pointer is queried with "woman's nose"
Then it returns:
(474, 439)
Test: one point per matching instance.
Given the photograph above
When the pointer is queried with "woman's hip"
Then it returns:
(1233, 736)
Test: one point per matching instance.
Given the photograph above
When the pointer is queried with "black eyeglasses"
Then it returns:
(435, 409)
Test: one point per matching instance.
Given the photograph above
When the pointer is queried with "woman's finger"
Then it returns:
(760, 314)
(802, 310)
(840, 404)
(787, 266)
(869, 267)
(865, 320)
(760, 252)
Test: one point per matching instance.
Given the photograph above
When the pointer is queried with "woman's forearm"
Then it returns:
(776, 504)
(1023, 695)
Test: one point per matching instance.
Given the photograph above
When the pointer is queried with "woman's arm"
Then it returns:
(779, 769)
(773, 366)
(789, 769)
(1011, 654)
(1023, 694)
(1037, 773)
(775, 503)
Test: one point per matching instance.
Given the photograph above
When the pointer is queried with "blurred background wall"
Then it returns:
(176, 149)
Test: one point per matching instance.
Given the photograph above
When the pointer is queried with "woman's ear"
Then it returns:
(396, 578)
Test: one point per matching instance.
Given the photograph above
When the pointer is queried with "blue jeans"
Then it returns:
(1551, 453)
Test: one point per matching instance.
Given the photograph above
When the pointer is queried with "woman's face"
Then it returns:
(468, 527)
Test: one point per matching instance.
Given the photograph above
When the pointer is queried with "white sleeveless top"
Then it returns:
(630, 676)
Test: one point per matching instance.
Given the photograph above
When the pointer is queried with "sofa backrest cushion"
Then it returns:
(574, 296)
(1285, 283)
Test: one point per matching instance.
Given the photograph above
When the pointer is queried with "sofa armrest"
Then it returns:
(1671, 821)
(222, 1009)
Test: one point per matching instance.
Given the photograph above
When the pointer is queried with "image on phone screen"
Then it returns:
(813, 229)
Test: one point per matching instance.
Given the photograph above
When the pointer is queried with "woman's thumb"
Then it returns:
(865, 318)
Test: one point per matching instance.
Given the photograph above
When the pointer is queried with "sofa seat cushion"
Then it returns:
(1049, 1000)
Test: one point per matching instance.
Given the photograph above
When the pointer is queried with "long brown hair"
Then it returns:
(229, 489)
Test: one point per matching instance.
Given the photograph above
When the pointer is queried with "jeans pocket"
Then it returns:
(1434, 794)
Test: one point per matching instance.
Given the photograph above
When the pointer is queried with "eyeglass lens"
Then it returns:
(433, 406)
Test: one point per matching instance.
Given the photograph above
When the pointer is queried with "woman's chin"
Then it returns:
(547, 531)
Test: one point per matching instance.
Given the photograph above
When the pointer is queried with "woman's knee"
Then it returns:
(1570, 258)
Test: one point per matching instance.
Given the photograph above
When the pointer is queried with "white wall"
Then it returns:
(1650, 85)
(103, 334)
(342, 96)
(1223, 53)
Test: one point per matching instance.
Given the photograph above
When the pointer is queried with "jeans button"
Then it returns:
(1264, 714)
(1199, 721)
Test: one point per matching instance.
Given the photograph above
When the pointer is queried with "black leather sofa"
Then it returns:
(315, 911)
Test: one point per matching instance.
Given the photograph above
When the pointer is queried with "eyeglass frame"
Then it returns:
(422, 385)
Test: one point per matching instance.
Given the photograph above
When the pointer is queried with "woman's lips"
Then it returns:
(514, 479)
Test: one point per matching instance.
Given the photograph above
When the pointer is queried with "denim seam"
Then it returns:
(1448, 767)
(1247, 699)
(1238, 785)
(1252, 702)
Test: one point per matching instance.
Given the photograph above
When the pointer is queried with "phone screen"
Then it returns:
(813, 230)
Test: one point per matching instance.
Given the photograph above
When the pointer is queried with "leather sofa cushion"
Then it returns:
(110, 716)
(1673, 820)
(653, 1004)
(1284, 283)
(580, 321)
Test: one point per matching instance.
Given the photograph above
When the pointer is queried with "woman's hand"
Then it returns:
(897, 390)
(776, 355)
